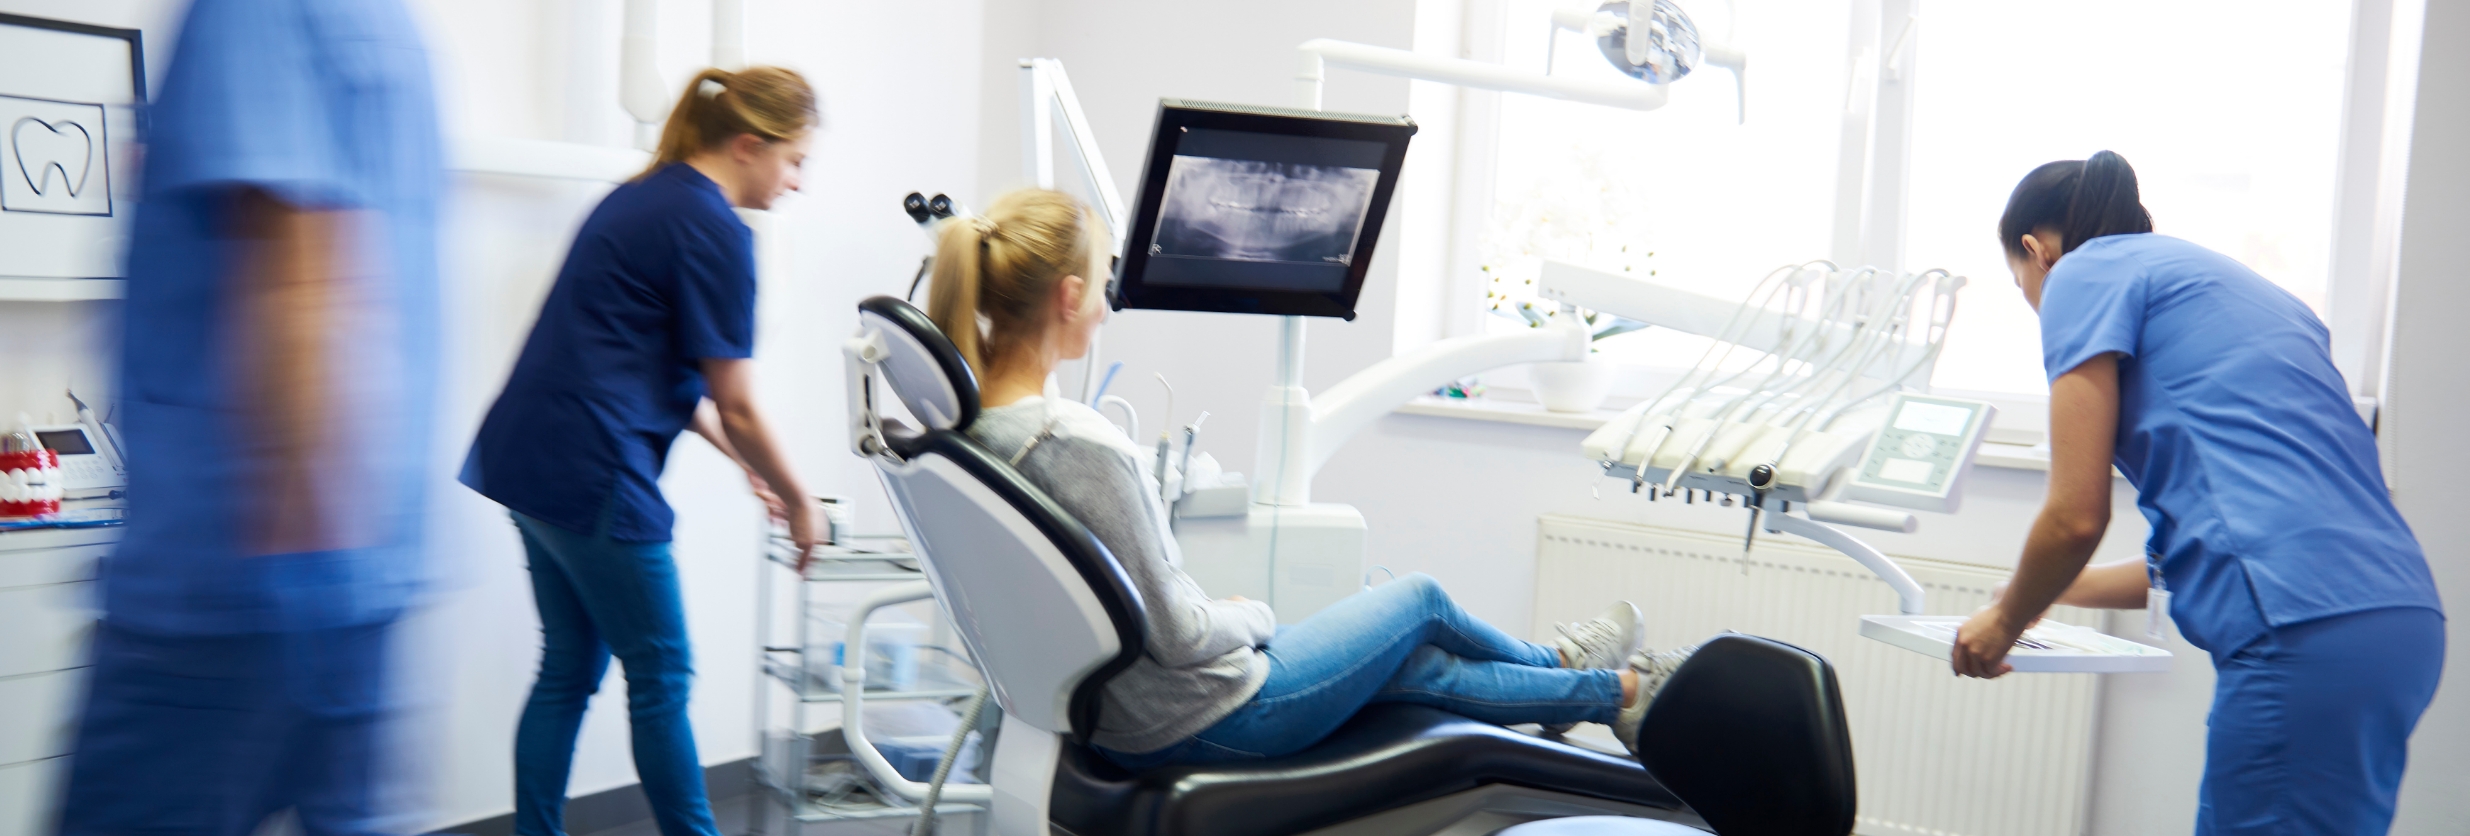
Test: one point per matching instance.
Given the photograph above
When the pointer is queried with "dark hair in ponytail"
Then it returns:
(2082, 199)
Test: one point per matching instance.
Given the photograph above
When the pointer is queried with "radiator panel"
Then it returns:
(1936, 755)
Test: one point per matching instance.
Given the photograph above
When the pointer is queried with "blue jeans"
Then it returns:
(1404, 641)
(2311, 724)
(209, 735)
(599, 596)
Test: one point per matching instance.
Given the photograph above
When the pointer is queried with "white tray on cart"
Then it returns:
(2067, 648)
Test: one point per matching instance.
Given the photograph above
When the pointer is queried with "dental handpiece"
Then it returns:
(1192, 436)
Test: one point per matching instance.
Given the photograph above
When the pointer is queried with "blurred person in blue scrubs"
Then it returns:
(648, 332)
(276, 375)
(2275, 545)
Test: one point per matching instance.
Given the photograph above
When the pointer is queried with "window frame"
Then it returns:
(1873, 170)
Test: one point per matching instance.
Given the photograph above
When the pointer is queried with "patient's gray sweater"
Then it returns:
(1200, 665)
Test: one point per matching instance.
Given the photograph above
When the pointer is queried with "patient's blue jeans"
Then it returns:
(1404, 641)
(599, 596)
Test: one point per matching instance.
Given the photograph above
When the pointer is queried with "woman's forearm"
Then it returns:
(706, 423)
(2118, 585)
(2053, 562)
(750, 438)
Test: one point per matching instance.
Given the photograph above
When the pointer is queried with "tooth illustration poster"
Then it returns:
(69, 97)
(52, 158)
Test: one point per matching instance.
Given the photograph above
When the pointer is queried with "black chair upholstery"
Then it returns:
(1389, 756)
(1750, 732)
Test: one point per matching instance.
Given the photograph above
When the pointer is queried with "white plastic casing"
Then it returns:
(1920, 455)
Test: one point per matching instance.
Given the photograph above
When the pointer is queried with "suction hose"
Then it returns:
(943, 768)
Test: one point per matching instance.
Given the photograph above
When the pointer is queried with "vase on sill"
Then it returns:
(1571, 386)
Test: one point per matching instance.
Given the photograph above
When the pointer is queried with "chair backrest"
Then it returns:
(1044, 609)
(1750, 733)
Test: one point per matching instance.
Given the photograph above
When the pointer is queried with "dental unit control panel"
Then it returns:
(1917, 460)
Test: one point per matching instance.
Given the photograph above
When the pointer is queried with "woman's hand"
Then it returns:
(773, 508)
(804, 521)
(1981, 645)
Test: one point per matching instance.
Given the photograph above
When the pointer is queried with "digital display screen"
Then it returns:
(1263, 211)
(66, 442)
(1933, 418)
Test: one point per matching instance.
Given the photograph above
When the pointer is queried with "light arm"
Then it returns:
(1369, 394)
(1630, 95)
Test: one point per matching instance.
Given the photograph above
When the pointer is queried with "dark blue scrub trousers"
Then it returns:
(598, 597)
(2311, 724)
(210, 735)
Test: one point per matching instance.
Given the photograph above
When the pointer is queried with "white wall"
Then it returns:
(2426, 400)
(899, 86)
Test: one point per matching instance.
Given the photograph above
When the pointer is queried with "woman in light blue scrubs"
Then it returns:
(2274, 547)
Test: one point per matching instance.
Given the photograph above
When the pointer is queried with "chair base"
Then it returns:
(1499, 808)
(1391, 760)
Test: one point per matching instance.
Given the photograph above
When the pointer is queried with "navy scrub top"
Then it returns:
(661, 277)
(2267, 503)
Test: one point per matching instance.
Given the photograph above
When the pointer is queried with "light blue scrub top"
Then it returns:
(2267, 504)
(325, 104)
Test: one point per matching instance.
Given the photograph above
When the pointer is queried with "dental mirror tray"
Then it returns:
(2065, 648)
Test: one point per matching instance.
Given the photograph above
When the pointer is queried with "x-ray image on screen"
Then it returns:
(1256, 211)
(1259, 210)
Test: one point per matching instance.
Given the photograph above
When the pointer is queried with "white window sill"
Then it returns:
(1992, 454)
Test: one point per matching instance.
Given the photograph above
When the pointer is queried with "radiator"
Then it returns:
(1935, 755)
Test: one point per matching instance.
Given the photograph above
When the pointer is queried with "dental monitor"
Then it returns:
(1259, 210)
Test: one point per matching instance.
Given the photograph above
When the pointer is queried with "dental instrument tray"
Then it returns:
(2049, 647)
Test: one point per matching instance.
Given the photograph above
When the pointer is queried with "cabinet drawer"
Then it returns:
(30, 795)
(35, 567)
(44, 628)
(39, 716)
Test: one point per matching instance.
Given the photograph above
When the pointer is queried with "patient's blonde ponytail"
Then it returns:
(992, 272)
(772, 103)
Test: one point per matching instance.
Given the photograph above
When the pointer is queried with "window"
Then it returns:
(2230, 113)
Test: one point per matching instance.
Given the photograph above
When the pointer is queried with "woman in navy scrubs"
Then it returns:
(2274, 545)
(647, 333)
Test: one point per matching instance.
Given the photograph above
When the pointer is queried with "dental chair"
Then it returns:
(1747, 737)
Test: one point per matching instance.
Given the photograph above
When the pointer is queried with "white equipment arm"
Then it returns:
(1047, 90)
(1680, 310)
(1369, 394)
(1910, 599)
(853, 699)
(1628, 95)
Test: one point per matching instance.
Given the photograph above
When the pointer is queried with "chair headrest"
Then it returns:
(923, 368)
(1750, 733)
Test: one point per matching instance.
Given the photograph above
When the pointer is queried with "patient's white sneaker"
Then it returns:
(1603, 642)
(1653, 669)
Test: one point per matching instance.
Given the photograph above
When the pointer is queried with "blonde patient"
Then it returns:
(1019, 290)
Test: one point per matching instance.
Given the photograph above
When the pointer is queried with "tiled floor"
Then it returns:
(732, 816)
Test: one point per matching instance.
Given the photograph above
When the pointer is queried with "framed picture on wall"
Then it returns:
(70, 95)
